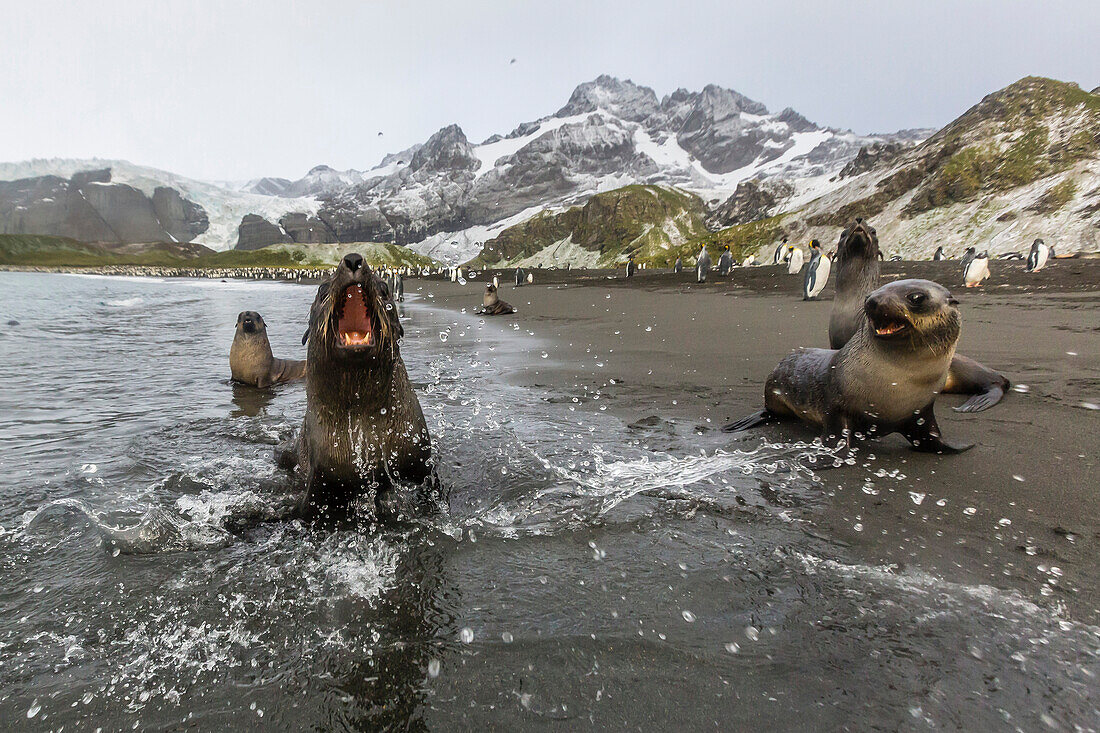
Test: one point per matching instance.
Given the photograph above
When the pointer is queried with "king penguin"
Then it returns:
(780, 253)
(702, 266)
(794, 266)
(725, 262)
(817, 272)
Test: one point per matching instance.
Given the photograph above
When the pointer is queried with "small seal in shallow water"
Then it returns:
(364, 429)
(857, 263)
(884, 380)
(250, 358)
(492, 305)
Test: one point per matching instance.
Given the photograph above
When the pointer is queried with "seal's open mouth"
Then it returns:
(354, 326)
(886, 329)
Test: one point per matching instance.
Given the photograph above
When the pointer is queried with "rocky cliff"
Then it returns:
(89, 207)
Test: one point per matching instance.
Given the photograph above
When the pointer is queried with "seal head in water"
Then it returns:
(250, 359)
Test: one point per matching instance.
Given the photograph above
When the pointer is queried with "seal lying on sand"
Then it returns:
(492, 305)
(363, 428)
(250, 359)
(884, 380)
(857, 274)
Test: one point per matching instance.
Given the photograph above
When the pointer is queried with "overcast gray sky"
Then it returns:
(235, 90)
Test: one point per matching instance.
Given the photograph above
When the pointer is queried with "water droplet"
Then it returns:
(544, 355)
(383, 411)
(433, 668)
(970, 511)
(733, 647)
(467, 635)
(688, 616)
(1005, 521)
(917, 497)
(443, 335)
(34, 709)
(506, 637)
(752, 632)
(1018, 477)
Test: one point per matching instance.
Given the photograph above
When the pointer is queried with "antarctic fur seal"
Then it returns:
(250, 358)
(883, 380)
(492, 305)
(364, 428)
(857, 265)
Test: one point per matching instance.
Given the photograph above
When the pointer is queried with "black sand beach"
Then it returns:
(1021, 510)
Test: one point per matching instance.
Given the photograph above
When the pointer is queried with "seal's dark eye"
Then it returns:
(917, 298)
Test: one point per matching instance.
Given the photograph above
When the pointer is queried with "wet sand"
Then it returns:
(1021, 510)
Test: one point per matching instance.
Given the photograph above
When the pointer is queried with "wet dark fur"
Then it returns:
(250, 358)
(857, 265)
(492, 305)
(364, 429)
(874, 385)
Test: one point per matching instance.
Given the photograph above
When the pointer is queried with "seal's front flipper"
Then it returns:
(748, 422)
(982, 401)
(924, 433)
(286, 455)
(967, 376)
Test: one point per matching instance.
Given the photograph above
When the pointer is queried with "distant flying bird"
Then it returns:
(512, 61)
(379, 134)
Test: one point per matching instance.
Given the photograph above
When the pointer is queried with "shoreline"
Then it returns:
(668, 355)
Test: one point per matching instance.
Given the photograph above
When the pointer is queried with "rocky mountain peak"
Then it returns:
(624, 99)
(795, 121)
(446, 150)
(318, 169)
(722, 102)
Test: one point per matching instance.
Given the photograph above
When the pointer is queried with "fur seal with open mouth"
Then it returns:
(492, 305)
(885, 378)
(857, 266)
(364, 429)
(250, 358)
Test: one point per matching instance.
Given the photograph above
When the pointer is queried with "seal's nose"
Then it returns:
(353, 261)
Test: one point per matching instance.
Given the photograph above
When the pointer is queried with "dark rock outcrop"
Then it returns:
(446, 150)
(256, 232)
(182, 219)
(90, 208)
(870, 156)
(752, 201)
(306, 229)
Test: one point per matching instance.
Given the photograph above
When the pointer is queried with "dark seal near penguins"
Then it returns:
(250, 358)
(364, 431)
(885, 378)
(857, 274)
(492, 305)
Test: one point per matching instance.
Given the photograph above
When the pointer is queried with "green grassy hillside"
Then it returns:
(31, 250)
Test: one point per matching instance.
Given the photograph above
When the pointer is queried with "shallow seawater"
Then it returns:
(585, 573)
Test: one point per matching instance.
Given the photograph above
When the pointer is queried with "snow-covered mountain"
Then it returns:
(447, 196)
